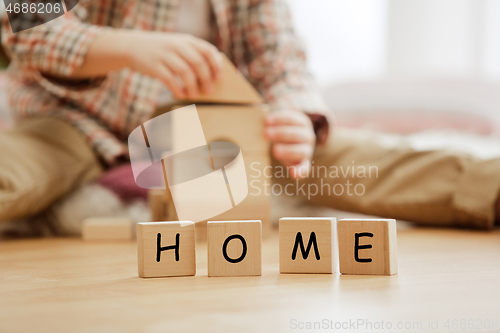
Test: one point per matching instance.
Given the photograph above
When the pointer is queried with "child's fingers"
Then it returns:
(199, 65)
(290, 134)
(182, 69)
(212, 55)
(291, 154)
(287, 118)
(168, 79)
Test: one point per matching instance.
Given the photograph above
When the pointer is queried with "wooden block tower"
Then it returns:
(234, 112)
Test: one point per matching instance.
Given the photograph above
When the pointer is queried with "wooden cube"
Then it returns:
(240, 124)
(368, 246)
(234, 248)
(166, 248)
(308, 245)
(232, 88)
(107, 229)
(158, 204)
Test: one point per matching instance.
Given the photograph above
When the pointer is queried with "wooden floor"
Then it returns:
(448, 278)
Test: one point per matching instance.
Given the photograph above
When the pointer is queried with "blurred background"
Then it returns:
(374, 39)
(406, 66)
(423, 71)
(403, 66)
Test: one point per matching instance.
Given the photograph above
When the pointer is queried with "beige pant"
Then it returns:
(43, 159)
(438, 188)
(40, 161)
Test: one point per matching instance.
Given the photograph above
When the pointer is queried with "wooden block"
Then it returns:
(257, 205)
(234, 248)
(232, 88)
(157, 199)
(240, 124)
(250, 209)
(107, 229)
(368, 246)
(170, 207)
(308, 245)
(166, 249)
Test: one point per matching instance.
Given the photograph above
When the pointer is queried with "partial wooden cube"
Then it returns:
(166, 248)
(107, 229)
(308, 245)
(234, 248)
(158, 204)
(240, 124)
(257, 205)
(232, 88)
(368, 246)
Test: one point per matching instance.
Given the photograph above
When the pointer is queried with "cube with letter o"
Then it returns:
(234, 248)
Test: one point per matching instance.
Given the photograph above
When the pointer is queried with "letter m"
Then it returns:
(305, 251)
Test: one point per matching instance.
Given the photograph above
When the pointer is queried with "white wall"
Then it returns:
(350, 40)
(433, 38)
(490, 66)
(346, 39)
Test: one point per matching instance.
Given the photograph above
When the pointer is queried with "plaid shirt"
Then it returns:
(256, 35)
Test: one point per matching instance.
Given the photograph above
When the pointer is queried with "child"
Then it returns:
(82, 82)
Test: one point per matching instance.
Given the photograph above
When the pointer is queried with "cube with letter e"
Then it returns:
(367, 246)
(166, 248)
(308, 245)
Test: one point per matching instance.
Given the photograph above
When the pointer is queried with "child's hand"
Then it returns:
(185, 64)
(293, 140)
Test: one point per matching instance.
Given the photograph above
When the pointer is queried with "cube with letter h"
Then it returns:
(308, 245)
(368, 246)
(234, 248)
(166, 248)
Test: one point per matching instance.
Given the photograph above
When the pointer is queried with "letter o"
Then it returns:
(243, 253)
